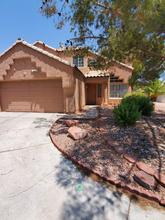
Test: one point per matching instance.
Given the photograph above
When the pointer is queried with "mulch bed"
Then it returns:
(94, 151)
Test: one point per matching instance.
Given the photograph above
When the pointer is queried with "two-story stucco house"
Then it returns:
(39, 78)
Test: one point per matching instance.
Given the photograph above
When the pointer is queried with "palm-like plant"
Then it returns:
(154, 89)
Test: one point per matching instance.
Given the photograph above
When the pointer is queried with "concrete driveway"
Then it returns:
(37, 182)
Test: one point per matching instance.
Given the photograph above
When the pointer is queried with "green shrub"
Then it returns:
(134, 94)
(145, 106)
(126, 113)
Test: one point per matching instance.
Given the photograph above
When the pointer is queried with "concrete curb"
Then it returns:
(118, 183)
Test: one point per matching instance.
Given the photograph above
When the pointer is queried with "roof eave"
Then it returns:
(21, 41)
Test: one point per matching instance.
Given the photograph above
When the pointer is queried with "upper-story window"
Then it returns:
(92, 62)
(78, 61)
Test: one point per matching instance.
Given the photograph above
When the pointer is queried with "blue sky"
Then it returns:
(20, 18)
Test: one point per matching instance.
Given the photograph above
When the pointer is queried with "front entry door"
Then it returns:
(91, 94)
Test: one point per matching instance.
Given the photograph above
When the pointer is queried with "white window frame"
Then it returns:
(78, 61)
(117, 93)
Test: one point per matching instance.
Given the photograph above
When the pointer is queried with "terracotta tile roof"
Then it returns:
(38, 41)
(21, 41)
(97, 73)
(123, 64)
(62, 49)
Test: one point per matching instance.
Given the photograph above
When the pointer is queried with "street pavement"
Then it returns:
(38, 183)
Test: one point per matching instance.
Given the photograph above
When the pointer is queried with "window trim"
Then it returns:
(78, 61)
(114, 79)
(116, 83)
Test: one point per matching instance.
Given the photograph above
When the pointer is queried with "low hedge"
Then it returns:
(131, 108)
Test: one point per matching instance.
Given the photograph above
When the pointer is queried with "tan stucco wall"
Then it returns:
(68, 56)
(18, 62)
(79, 91)
(51, 67)
(120, 71)
(117, 70)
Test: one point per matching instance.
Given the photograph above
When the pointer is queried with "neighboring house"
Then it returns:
(39, 78)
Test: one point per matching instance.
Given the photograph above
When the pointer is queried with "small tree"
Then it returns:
(154, 89)
(132, 30)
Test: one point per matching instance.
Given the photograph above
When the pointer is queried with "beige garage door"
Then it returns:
(32, 96)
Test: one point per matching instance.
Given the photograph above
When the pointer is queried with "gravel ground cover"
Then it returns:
(96, 153)
(145, 139)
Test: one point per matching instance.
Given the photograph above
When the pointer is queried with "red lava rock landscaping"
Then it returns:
(104, 157)
(144, 140)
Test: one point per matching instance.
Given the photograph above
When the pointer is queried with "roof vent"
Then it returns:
(19, 38)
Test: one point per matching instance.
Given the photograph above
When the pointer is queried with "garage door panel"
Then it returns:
(15, 107)
(14, 85)
(57, 94)
(37, 107)
(37, 84)
(15, 93)
(37, 96)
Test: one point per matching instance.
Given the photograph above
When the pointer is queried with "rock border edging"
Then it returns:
(132, 159)
(118, 183)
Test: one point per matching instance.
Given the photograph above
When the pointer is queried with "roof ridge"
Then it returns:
(64, 48)
(21, 41)
(38, 41)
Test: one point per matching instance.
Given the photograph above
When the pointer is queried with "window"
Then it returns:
(117, 90)
(115, 79)
(99, 88)
(92, 63)
(78, 61)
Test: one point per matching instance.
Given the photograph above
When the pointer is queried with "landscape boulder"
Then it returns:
(71, 122)
(77, 133)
